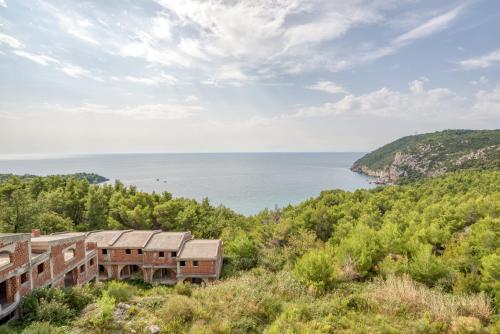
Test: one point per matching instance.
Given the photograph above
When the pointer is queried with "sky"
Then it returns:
(242, 75)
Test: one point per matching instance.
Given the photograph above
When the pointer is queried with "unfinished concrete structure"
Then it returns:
(156, 256)
(28, 262)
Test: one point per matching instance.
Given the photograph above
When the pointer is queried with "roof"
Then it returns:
(166, 240)
(104, 238)
(200, 249)
(12, 237)
(134, 239)
(57, 238)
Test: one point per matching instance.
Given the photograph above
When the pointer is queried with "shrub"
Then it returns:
(78, 297)
(54, 312)
(243, 251)
(426, 267)
(180, 308)
(316, 269)
(102, 315)
(43, 328)
(360, 251)
(120, 291)
(184, 289)
(393, 265)
(397, 292)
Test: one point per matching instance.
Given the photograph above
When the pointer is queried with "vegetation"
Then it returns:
(418, 258)
(432, 154)
(92, 178)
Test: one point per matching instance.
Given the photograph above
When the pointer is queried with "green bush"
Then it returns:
(101, 317)
(54, 312)
(43, 328)
(316, 269)
(120, 291)
(361, 249)
(428, 268)
(242, 251)
(183, 289)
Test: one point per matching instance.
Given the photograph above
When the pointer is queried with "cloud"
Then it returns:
(484, 61)
(425, 29)
(328, 87)
(162, 78)
(487, 104)
(147, 111)
(481, 81)
(3, 3)
(10, 41)
(37, 58)
(387, 103)
(191, 98)
(75, 71)
(71, 22)
(430, 27)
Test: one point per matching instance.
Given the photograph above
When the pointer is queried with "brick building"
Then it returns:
(156, 256)
(28, 262)
(33, 261)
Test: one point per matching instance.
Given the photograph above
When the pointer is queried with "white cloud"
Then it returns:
(75, 71)
(152, 80)
(10, 41)
(191, 98)
(487, 104)
(71, 22)
(147, 111)
(37, 58)
(431, 26)
(416, 104)
(328, 87)
(425, 29)
(484, 61)
(481, 81)
(3, 3)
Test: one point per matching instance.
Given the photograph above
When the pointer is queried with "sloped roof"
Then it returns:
(200, 249)
(166, 240)
(134, 239)
(104, 238)
(12, 237)
(57, 238)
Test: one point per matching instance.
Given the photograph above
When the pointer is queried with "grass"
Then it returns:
(396, 293)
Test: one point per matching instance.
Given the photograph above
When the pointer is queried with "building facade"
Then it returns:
(157, 256)
(28, 262)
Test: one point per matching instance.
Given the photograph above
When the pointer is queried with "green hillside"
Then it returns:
(417, 258)
(92, 178)
(432, 154)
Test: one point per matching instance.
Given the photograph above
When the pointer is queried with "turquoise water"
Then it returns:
(245, 182)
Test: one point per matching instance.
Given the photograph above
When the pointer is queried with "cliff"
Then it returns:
(432, 154)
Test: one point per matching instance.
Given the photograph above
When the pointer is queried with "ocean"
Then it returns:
(244, 182)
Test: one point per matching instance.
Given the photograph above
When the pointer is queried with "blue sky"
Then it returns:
(246, 75)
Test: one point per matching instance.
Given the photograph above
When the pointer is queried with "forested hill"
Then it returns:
(91, 178)
(432, 154)
(417, 258)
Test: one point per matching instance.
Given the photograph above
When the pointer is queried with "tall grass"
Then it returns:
(402, 292)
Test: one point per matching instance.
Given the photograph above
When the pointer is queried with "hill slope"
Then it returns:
(92, 178)
(432, 154)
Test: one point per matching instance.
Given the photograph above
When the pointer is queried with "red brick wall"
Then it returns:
(43, 278)
(12, 287)
(120, 255)
(153, 258)
(58, 257)
(25, 288)
(203, 268)
(91, 271)
(19, 258)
